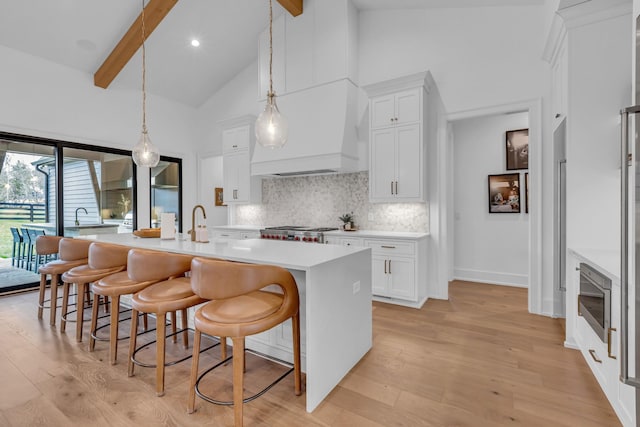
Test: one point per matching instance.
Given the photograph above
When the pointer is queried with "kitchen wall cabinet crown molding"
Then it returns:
(398, 115)
(238, 142)
(315, 48)
(588, 12)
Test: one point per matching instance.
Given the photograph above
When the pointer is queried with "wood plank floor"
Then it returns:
(478, 359)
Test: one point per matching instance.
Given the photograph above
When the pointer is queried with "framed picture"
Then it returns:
(219, 197)
(526, 192)
(517, 149)
(504, 193)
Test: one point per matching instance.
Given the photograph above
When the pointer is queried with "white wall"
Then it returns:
(490, 248)
(41, 98)
(478, 56)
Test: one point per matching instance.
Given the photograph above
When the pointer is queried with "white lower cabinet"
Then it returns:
(398, 266)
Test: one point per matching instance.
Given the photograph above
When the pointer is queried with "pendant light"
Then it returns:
(272, 129)
(145, 154)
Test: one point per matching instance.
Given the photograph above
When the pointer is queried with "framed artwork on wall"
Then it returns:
(517, 149)
(219, 197)
(526, 192)
(504, 193)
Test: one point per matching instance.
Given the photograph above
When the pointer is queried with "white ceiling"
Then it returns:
(81, 33)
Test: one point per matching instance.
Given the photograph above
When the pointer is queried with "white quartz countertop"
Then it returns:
(291, 255)
(378, 234)
(607, 262)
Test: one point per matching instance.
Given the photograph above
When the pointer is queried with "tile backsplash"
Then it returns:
(318, 201)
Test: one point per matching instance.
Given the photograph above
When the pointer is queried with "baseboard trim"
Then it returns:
(492, 277)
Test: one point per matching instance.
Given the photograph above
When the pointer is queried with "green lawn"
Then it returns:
(6, 238)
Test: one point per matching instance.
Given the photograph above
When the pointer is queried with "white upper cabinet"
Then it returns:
(397, 154)
(317, 47)
(238, 140)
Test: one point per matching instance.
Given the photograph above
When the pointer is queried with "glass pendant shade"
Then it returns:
(145, 154)
(272, 129)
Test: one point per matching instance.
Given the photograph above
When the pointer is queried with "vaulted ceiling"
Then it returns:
(80, 34)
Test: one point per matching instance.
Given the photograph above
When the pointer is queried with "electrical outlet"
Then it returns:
(371, 219)
(356, 287)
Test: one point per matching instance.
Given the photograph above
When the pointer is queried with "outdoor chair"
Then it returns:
(17, 250)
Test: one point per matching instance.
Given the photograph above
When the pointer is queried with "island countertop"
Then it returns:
(291, 255)
(335, 287)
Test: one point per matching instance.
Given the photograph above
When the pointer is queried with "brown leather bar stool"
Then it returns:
(104, 259)
(144, 268)
(240, 308)
(161, 298)
(71, 253)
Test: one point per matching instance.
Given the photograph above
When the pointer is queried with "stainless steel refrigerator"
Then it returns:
(630, 250)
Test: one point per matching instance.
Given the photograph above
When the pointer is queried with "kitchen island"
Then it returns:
(334, 283)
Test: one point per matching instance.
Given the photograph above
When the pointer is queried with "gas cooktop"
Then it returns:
(296, 233)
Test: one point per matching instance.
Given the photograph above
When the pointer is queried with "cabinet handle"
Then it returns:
(396, 187)
(388, 247)
(385, 266)
(391, 187)
(235, 146)
(557, 115)
(593, 355)
(391, 119)
(579, 313)
(235, 194)
(389, 266)
(609, 342)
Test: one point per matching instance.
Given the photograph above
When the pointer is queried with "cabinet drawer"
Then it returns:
(236, 139)
(391, 247)
(351, 242)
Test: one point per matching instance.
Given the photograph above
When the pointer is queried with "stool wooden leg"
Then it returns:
(94, 321)
(65, 306)
(295, 323)
(43, 285)
(80, 310)
(145, 322)
(185, 325)
(133, 335)
(54, 299)
(223, 348)
(238, 378)
(160, 349)
(113, 328)
(191, 405)
(174, 326)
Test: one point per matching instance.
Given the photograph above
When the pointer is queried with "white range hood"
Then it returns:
(322, 133)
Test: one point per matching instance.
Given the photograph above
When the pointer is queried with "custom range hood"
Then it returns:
(322, 133)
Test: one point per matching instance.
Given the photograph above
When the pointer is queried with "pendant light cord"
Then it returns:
(144, 75)
(270, 94)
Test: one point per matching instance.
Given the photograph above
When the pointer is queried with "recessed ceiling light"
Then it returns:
(195, 43)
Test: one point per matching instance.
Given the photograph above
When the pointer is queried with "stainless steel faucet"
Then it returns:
(85, 212)
(193, 221)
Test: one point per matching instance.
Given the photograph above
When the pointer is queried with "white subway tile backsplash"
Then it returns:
(318, 201)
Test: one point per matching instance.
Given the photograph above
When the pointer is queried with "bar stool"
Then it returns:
(144, 268)
(161, 298)
(71, 253)
(18, 246)
(240, 308)
(104, 259)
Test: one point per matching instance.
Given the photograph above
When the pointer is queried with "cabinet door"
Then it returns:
(231, 168)
(382, 111)
(402, 278)
(235, 139)
(408, 107)
(244, 177)
(382, 168)
(409, 163)
(379, 276)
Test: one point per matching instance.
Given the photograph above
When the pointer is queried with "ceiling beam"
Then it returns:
(294, 7)
(154, 13)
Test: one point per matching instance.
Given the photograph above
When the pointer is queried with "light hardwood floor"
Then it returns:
(478, 359)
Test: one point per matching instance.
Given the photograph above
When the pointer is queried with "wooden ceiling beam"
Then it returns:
(154, 13)
(294, 7)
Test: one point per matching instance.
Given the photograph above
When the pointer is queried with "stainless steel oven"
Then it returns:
(594, 300)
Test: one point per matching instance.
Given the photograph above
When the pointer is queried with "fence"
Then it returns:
(28, 212)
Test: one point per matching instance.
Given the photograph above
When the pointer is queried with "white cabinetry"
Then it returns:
(234, 233)
(397, 155)
(237, 146)
(603, 358)
(397, 263)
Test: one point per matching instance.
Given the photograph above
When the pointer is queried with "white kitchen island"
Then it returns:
(335, 300)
